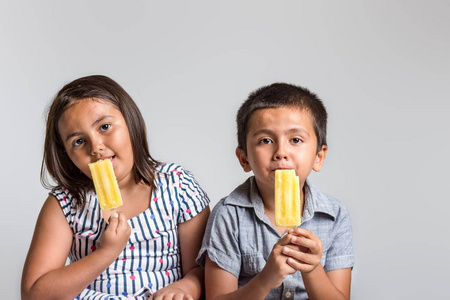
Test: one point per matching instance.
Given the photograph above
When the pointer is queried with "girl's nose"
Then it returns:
(97, 148)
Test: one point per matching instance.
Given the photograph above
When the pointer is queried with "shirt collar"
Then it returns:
(316, 201)
(247, 195)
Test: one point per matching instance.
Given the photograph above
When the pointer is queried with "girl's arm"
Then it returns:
(191, 285)
(45, 275)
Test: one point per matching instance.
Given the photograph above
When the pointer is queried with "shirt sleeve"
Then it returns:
(340, 255)
(221, 240)
(193, 199)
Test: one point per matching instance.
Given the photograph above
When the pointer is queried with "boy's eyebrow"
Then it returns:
(93, 125)
(292, 130)
(262, 131)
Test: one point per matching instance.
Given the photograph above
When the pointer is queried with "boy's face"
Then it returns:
(280, 138)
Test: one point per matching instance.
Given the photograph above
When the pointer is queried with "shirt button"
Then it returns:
(288, 295)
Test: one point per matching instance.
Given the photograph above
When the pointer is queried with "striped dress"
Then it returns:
(151, 259)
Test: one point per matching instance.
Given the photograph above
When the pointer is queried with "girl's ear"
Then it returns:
(242, 157)
(320, 158)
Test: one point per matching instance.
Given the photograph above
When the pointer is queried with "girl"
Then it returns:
(147, 249)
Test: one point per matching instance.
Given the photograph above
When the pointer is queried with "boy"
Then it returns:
(245, 255)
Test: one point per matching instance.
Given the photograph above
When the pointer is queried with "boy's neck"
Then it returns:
(269, 210)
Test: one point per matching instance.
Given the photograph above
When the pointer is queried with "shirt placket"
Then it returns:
(288, 292)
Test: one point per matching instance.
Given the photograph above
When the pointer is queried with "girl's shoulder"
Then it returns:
(68, 201)
(167, 168)
(173, 170)
(62, 194)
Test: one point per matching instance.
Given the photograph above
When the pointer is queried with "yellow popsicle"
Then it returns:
(287, 199)
(105, 183)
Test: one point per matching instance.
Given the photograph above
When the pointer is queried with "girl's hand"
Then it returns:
(277, 268)
(116, 235)
(308, 253)
(170, 293)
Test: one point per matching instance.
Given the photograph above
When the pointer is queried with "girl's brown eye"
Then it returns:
(105, 127)
(78, 142)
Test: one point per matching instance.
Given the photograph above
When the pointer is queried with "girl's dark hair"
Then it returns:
(282, 95)
(56, 161)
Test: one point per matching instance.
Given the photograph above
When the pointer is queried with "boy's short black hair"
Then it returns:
(282, 95)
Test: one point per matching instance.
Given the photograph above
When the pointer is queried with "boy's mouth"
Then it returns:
(283, 168)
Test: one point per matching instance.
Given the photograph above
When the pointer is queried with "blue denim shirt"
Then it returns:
(239, 237)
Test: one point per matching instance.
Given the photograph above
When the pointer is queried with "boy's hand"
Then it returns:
(116, 235)
(309, 252)
(277, 268)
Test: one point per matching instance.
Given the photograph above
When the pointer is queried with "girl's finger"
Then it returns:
(113, 220)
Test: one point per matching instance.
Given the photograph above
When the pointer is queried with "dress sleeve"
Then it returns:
(193, 199)
(340, 255)
(67, 203)
(221, 240)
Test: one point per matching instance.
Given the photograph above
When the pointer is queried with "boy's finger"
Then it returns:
(285, 240)
(302, 232)
(303, 242)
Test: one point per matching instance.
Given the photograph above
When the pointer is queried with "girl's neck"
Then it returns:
(135, 197)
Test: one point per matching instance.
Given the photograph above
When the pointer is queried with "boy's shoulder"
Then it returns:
(244, 198)
(244, 195)
(318, 201)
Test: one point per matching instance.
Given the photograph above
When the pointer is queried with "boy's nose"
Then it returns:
(280, 153)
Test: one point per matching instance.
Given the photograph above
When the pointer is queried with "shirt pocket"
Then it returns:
(252, 264)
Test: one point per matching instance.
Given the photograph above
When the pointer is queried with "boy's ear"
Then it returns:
(320, 158)
(242, 157)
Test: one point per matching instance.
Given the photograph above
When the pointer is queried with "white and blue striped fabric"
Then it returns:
(151, 259)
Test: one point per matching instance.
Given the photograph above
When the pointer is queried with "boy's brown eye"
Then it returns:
(296, 140)
(265, 141)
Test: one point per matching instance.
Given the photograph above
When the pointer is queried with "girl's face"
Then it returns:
(94, 129)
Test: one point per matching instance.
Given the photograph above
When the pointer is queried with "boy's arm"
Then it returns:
(318, 283)
(330, 285)
(223, 285)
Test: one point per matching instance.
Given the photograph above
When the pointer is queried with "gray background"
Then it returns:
(381, 67)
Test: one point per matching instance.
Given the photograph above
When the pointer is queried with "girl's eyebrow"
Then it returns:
(100, 120)
(93, 125)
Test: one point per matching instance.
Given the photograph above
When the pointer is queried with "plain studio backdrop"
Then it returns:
(382, 69)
